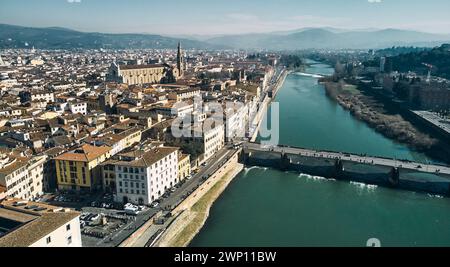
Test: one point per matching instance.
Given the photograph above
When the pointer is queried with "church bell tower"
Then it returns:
(180, 60)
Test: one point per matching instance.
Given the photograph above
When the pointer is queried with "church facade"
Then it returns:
(138, 74)
(148, 74)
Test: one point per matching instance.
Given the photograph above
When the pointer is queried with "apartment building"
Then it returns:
(37, 95)
(2, 192)
(184, 166)
(78, 107)
(212, 138)
(236, 117)
(143, 176)
(22, 177)
(29, 224)
(184, 94)
(79, 170)
(120, 141)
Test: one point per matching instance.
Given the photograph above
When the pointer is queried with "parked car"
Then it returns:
(131, 209)
(154, 204)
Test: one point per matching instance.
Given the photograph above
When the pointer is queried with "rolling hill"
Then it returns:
(324, 38)
(438, 57)
(61, 38)
(320, 38)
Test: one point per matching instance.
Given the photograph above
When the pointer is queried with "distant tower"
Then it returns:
(430, 68)
(382, 64)
(180, 60)
(429, 76)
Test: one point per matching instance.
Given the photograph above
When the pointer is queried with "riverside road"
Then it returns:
(169, 203)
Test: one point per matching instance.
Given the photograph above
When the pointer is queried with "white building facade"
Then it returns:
(213, 140)
(143, 179)
(78, 108)
(66, 236)
(23, 177)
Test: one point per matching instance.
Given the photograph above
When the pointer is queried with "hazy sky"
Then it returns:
(226, 16)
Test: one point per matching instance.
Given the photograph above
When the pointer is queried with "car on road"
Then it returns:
(173, 189)
(154, 204)
(189, 178)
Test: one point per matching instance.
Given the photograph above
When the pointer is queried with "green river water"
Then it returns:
(265, 207)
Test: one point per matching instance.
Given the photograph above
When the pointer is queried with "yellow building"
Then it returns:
(79, 170)
(184, 166)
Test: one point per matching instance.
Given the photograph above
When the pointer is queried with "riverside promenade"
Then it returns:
(148, 229)
(192, 213)
(270, 94)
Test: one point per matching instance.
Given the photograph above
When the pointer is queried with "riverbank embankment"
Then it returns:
(267, 101)
(367, 109)
(194, 211)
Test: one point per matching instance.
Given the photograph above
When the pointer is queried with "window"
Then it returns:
(68, 227)
(69, 240)
(49, 240)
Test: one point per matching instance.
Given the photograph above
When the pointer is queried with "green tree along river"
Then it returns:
(266, 207)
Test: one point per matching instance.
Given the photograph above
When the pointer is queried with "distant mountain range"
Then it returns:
(321, 38)
(330, 38)
(62, 38)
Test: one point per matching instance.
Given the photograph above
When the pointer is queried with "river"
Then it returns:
(266, 207)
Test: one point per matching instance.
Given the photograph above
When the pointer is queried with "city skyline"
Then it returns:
(226, 17)
(224, 124)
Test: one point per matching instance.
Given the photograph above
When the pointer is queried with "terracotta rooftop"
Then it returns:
(137, 67)
(144, 158)
(85, 153)
(12, 167)
(24, 223)
(182, 157)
